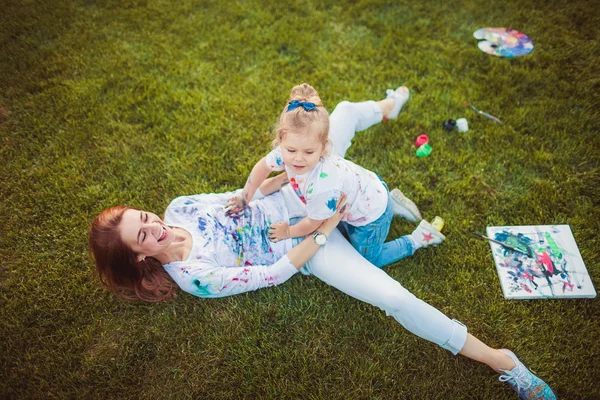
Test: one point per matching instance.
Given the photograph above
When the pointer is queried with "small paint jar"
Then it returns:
(462, 125)
(449, 124)
(424, 150)
(438, 223)
(421, 140)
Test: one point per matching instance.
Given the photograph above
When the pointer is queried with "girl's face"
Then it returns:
(301, 152)
(145, 233)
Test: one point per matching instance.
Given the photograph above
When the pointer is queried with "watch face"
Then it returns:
(320, 239)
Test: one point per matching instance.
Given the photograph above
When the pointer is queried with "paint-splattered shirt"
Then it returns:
(321, 187)
(230, 255)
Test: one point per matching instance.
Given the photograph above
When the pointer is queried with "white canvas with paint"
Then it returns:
(553, 269)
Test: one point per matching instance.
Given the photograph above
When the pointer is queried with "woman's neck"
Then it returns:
(179, 249)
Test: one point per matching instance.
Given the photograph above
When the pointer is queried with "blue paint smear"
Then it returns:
(331, 203)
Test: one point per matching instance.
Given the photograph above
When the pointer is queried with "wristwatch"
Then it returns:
(319, 238)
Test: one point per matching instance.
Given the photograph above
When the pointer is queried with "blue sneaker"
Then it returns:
(524, 382)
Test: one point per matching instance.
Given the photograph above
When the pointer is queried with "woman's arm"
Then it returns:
(257, 176)
(206, 279)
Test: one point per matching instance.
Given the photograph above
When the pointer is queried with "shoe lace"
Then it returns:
(517, 378)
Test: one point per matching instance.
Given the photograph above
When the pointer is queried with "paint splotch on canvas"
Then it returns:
(556, 269)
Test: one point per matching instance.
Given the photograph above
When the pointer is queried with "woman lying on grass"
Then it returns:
(210, 254)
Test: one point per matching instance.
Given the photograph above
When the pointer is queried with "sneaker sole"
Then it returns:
(407, 204)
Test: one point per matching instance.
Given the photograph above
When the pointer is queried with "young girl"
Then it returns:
(319, 178)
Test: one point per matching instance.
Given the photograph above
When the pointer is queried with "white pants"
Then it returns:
(341, 266)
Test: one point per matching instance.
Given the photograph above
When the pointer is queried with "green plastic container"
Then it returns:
(424, 150)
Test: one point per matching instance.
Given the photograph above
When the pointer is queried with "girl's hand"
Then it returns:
(236, 204)
(279, 231)
(330, 223)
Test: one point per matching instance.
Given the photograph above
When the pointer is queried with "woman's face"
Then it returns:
(145, 233)
(301, 152)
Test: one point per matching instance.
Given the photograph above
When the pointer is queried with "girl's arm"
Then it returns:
(282, 230)
(259, 173)
(206, 280)
(272, 185)
(300, 254)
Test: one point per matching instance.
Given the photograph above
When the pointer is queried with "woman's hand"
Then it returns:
(236, 204)
(279, 231)
(330, 223)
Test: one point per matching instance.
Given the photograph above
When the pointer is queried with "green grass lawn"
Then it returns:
(139, 101)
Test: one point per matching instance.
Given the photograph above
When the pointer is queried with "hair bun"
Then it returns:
(305, 92)
(303, 120)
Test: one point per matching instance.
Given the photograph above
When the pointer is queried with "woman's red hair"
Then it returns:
(117, 265)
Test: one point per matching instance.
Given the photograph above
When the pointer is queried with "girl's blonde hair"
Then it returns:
(301, 121)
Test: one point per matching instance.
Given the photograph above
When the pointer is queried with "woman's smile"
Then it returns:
(163, 236)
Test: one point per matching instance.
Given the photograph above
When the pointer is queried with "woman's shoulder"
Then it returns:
(187, 208)
(178, 202)
(176, 211)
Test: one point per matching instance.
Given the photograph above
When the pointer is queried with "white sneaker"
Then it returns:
(426, 235)
(401, 96)
(404, 207)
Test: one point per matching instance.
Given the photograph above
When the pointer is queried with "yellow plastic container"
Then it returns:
(438, 223)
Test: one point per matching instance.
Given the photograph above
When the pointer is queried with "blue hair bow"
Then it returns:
(308, 106)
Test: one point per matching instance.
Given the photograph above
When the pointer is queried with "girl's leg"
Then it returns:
(348, 118)
(369, 240)
(394, 251)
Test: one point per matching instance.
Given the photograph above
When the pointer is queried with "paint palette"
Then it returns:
(556, 269)
(503, 42)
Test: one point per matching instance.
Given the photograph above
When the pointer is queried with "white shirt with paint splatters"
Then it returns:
(320, 188)
(230, 255)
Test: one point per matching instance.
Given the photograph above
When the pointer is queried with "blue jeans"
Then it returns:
(369, 239)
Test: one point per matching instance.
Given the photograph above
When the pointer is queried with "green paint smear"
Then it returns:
(556, 251)
(323, 175)
(514, 242)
